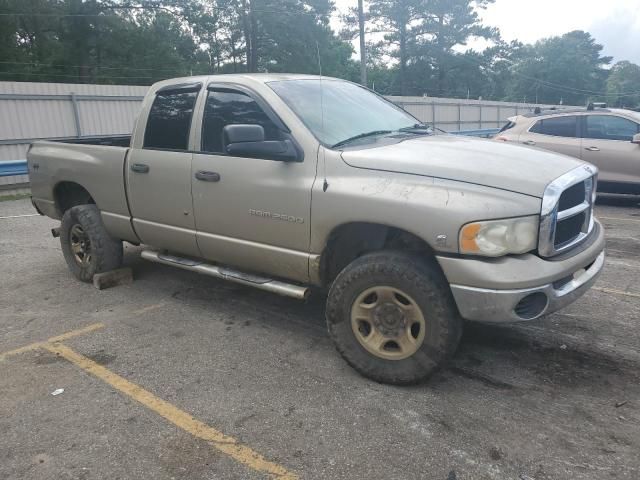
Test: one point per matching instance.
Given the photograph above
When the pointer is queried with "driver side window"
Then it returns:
(232, 107)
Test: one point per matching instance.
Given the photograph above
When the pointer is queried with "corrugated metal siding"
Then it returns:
(455, 114)
(33, 116)
(67, 88)
(24, 118)
(49, 117)
(15, 180)
(13, 152)
(107, 118)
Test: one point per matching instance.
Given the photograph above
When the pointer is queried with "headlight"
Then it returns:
(495, 238)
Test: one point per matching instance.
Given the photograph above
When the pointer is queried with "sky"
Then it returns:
(615, 24)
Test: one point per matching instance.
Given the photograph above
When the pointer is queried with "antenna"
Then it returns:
(325, 184)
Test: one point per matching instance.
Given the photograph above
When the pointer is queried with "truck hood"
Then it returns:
(483, 162)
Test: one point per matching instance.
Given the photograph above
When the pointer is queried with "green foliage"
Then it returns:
(118, 41)
(569, 68)
(623, 85)
(422, 51)
(91, 42)
(421, 36)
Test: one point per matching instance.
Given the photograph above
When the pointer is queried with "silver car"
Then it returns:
(607, 138)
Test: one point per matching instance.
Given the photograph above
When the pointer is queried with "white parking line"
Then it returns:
(613, 291)
(620, 219)
(21, 216)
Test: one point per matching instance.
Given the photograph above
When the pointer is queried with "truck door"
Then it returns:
(252, 213)
(607, 144)
(158, 172)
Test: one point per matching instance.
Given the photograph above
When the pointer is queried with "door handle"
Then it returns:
(207, 176)
(139, 168)
(592, 149)
(529, 142)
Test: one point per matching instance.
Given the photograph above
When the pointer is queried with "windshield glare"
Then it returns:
(349, 109)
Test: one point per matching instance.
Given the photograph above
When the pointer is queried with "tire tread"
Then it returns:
(416, 272)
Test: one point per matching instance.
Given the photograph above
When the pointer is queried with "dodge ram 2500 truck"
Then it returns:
(289, 182)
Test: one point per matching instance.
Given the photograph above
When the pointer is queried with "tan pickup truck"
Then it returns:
(290, 182)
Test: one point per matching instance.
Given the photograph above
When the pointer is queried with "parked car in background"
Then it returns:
(607, 138)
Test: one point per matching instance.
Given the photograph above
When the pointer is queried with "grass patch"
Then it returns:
(19, 196)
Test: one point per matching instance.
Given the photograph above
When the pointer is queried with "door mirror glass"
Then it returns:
(248, 141)
(636, 139)
(243, 134)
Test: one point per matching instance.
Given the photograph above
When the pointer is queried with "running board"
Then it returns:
(251, 280)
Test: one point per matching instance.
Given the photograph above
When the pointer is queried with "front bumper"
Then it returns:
(512, 289)
(525, 304)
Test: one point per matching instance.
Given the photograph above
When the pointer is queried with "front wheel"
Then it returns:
(86, 245)
(393, 318)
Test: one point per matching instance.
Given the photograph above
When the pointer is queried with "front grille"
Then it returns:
(567, 230)
(567, 211)
(572, 196)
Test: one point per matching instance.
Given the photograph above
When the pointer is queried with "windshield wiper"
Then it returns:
(421, 128)
(362, 135)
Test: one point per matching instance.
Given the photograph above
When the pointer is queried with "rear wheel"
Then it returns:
(87, 247)
(393, 318)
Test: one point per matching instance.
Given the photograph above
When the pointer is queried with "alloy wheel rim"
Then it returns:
(80, 245)
(388, 323)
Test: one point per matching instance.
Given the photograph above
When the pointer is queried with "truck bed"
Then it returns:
(94, 164)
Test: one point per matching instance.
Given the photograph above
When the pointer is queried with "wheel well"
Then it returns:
(70, 194)
(350, 241)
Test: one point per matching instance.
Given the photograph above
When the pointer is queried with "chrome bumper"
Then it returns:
(488, 305)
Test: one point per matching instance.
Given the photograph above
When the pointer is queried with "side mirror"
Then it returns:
(248, 141)
(243, 134)
(636, 139)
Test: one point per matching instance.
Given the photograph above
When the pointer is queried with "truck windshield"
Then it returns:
(351, 112)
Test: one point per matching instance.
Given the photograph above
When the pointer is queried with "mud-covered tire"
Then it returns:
(422, 281)
(105, 252)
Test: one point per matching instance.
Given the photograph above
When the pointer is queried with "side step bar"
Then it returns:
(262, 283)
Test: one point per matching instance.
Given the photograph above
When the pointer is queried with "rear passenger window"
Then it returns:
(609, 127)
(231, 107)
(558, 126)
(170, 120)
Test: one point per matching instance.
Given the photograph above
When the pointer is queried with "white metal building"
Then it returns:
(31, 111)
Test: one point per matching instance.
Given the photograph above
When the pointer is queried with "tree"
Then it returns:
(623, 85)
(92, 41)
(401, 23)
(422, 36)
(448, 24)
(286, 35)
(120, 41)
(568, 68)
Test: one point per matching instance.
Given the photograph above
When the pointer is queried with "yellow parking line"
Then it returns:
(59, 338)
(617, 292)
(173, 414)
(75, 333)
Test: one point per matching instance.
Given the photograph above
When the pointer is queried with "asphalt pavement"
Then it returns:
(181, 376)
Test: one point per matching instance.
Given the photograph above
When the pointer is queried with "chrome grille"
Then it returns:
(566, 218)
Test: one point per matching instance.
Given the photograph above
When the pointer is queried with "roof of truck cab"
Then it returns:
(237, 78)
